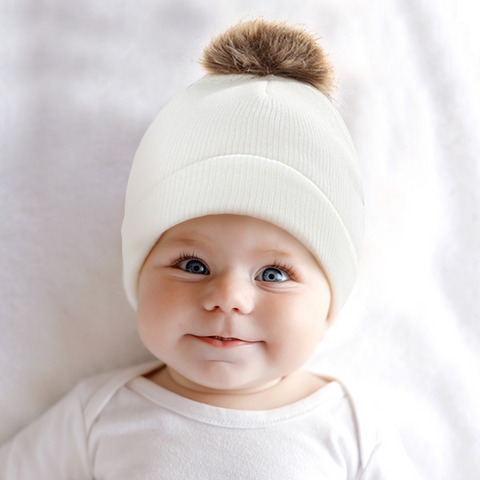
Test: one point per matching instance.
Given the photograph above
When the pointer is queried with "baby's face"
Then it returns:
(231, 302)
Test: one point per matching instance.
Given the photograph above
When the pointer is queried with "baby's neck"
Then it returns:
(278, 393)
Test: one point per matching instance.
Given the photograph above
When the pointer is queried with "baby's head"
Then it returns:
(244, 212)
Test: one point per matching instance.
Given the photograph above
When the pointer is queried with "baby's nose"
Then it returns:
(229, 291)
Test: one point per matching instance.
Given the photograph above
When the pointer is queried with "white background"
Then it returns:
(80, 83)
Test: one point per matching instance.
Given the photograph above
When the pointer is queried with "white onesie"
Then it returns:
(121, 426)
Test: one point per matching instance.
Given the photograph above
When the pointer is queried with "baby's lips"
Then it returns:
(226, 338)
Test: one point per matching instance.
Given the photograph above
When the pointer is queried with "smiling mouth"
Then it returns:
(224, 342)
(228, 339)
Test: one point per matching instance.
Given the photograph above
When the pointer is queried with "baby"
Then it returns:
(241, 239)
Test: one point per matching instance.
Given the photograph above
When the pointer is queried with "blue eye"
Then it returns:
(273, 275)
(197, 267)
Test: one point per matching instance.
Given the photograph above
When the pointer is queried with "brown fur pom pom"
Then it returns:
(261, 47)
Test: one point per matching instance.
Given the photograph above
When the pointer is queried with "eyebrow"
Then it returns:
(190, 242)
(186, 242)
(275, 253)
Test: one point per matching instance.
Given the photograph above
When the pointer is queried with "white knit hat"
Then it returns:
(269, 147)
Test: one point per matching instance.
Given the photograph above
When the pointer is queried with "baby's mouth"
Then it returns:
(219, 341)
(225, 339)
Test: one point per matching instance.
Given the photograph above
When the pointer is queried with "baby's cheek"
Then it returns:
(295, 334)
(156, 299)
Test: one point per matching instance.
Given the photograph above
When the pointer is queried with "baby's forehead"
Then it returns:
(228, 232)
(210, 228)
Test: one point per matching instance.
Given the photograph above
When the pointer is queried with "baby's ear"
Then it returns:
(331, 318)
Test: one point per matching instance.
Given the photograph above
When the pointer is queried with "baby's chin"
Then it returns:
(223, 381)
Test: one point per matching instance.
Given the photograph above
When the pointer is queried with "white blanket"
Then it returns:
(81, 82)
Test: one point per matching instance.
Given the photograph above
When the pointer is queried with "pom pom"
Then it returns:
(262, 47)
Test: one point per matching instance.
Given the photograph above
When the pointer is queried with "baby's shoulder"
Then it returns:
(95, 392)
(382, 453)
(372, 414)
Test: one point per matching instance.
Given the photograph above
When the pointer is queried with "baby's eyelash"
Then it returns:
(283, 266)
(288, 269)
(176, 261)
